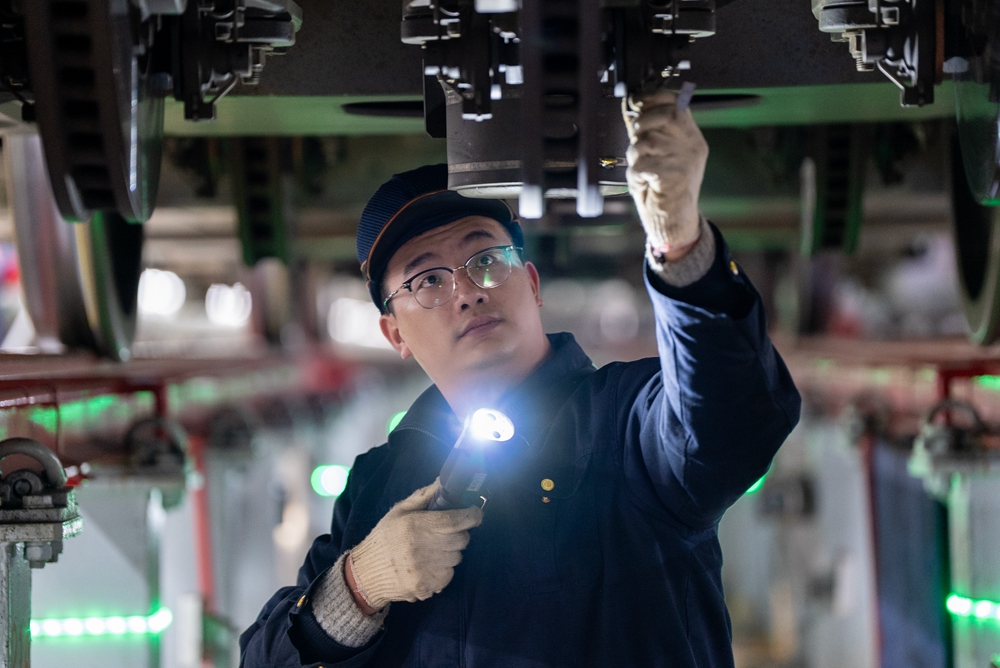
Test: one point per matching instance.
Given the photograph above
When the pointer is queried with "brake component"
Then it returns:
(550, 74)
(903, 39)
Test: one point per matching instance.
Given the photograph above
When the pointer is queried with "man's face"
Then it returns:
(480, 329)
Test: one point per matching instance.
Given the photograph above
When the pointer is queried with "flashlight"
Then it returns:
(464, 472)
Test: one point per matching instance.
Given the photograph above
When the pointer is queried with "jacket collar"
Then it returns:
(529, 405)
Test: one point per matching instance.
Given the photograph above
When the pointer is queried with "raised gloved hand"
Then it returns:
(412, 552)
(666, 165)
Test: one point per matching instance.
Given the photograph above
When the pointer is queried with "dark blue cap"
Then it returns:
(409, 204)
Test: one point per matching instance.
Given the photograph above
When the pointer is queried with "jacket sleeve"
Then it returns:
(703, 430)
(286, 634)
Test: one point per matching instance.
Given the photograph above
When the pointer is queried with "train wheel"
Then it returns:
(976, 233)
(80, 280)
(99, 111)
(110, 252)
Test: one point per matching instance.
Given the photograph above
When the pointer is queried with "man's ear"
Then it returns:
(535, 282)
(390, 330)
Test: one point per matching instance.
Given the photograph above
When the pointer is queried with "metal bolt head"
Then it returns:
(38, 554)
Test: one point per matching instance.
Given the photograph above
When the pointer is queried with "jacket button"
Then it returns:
(733, 268)
(302, 601)
(548, 485)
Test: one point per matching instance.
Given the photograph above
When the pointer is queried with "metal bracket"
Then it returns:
(37, 512)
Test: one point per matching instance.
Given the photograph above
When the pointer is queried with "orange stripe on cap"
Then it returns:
(367, 262)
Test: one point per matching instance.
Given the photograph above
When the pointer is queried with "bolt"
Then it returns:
(38, 553)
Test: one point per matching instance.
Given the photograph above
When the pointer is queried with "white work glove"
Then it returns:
(412, 552)
(666, 161)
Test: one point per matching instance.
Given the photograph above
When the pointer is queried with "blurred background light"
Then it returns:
(161, 292)
(330, 479)
(354, 322)
(228, 306)
(293, 530)
(618, 314)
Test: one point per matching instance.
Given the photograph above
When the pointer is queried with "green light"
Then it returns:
(982, 610)
(959, 605)
(160, 620)
(73, 627)
(824, 364)
(116, 625)
(757, 485)
(988, 382)
(329, 479)
(880, 376)
(100, 626)
(52, 628)
(95, 626)
(394, 421)
(72, 413)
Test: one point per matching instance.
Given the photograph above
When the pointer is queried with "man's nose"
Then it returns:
(467, 292)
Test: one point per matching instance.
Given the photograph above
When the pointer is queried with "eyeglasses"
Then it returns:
(487, 269)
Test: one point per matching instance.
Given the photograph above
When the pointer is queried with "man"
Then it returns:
(598, 544)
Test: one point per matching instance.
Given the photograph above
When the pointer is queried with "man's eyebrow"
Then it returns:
(417, 261)
(429, 255)
(477, 234)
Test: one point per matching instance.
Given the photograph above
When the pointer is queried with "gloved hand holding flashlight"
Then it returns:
(412, 552)
(463, 476)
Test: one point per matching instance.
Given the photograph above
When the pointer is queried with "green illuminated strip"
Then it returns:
(971, 608)
(102, 626)
(78, 412)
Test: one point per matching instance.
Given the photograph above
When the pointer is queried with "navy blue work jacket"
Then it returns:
(619, 563)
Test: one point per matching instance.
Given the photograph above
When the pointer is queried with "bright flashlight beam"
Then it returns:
(491, 425)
